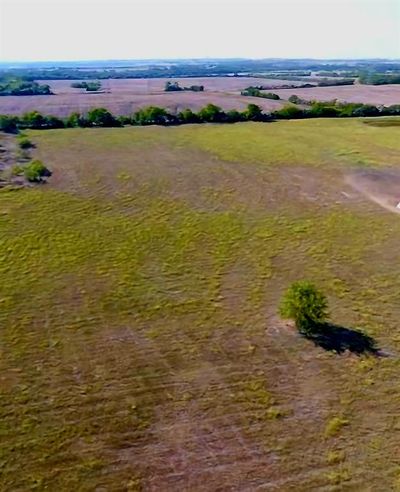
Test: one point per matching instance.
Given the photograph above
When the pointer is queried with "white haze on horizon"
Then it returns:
(40, 30)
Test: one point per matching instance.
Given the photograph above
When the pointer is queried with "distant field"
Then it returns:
(125, 96)
(372, 94)
(128, 95)
(140, 347)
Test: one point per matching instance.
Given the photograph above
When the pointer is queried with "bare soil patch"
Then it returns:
(381, 186)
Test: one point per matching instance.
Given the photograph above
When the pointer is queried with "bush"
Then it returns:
(101, 117)
(153, 115)
(271, 95)
(289, 112)
(253, 113)
(187, 116)
(35, 171)
(8, 124)
(211, 114)
(25, 143)
(306, 305)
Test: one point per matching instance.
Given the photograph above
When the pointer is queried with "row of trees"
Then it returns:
(255, 91)
(175, 87)
(153, 115)
(379, 78)
(89, 86)
(20, 87)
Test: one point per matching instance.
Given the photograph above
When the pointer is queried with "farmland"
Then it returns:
(367, 94)
(125, 96)
(140, 347)
(128, 95)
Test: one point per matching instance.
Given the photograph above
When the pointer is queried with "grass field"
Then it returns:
(140, 347)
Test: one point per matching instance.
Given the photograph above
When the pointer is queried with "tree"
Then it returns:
(8, 124)
(101, 117)
(289, 112)
(187, 116)
(172, 87)
(33, 119)
(254, 113)
(306, 305)
(152, 115)
(74, 120)
(233, 116)
(211, 114)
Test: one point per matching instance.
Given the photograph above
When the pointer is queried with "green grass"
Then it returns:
(139, 341)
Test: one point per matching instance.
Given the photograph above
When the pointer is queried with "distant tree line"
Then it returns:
(272, 68)
(89, 86)
(379, 78)
(255, 91)
(21, 87)
(330, 82)
(153, 115)
(175, 87)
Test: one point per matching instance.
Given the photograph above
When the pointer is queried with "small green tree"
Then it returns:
(101, 117)
(211, 114)
(253, 112)
(306, 305)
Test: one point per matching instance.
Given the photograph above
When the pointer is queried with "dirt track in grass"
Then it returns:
(381, 186)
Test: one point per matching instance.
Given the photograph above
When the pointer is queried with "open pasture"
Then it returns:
(140, 347)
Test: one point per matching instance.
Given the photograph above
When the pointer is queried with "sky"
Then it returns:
(41, 30)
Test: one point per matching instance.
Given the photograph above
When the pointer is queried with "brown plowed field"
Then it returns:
(372, 94)
(125, 96)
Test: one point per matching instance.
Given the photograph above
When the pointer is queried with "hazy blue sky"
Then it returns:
(105, 29)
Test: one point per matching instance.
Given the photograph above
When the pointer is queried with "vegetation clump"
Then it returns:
(24, 143)
(36, 171)
(306, 305)
(256, 92)
(211, 113)
(175, 87)
(89, 86)
(21, 87)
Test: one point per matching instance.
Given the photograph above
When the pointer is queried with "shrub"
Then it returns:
(289, 112)
(35, 171)
(211, 114)
(101, 117)
(8, 123)
(187, 116)
(271, 95)
(25, 143)
(253, 113)
(306, 305)
(233, 116)
(153, 115)
(74, 120)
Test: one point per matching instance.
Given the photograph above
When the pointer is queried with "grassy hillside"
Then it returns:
(139, 342)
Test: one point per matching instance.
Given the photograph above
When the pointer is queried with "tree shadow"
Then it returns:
(339, 339)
